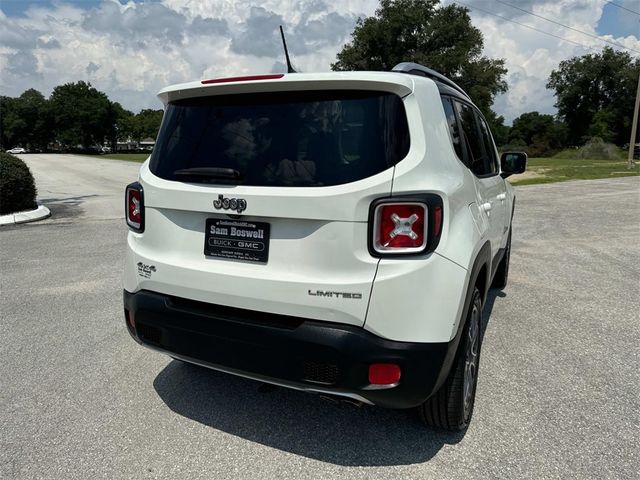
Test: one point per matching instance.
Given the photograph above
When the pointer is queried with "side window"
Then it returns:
(490, 151)
(452, 122)
(472, 140)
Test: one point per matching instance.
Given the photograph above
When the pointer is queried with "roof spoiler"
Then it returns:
(420, 70)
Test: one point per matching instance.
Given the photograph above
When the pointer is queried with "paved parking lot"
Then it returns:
(559, 386)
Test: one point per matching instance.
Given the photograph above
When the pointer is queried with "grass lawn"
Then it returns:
(559, 169)
(132, 157)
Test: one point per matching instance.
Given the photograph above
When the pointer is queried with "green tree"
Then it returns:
(531, 124)
(421, 31)
(26, 120)
(542, 133)
(147, 123)
(7, 118)
(498, 128)
(601, 125)
(603, 82)
(124, 126)
(82, 114)
(119, 129)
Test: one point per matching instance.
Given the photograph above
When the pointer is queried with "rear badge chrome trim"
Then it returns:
(331, 294)
(237, 204)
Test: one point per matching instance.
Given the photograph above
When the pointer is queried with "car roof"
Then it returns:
(413, 68)
(452, 92)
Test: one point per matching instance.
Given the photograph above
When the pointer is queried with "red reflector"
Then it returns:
(272, 76)
(130, 321)
(400, 226)
(384, 373)
(437, 221)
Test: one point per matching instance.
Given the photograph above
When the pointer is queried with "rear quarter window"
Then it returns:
(310, 138)
(452, 123)
(476, 139)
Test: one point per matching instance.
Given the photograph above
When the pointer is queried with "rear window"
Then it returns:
(310, 138)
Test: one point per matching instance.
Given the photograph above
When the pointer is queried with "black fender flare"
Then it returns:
(483, 259)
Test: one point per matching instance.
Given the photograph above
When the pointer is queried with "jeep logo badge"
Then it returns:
(237, 204)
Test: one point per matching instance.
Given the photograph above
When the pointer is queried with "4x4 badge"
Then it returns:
(237, 204)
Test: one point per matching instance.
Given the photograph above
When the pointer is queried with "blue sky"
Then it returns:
(130, 50)
(619, 22)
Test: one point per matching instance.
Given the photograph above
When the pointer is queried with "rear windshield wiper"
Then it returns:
(210, 172)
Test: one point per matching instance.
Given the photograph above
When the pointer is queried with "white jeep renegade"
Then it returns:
(334, 233)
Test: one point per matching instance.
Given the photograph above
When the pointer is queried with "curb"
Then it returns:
(25, 216)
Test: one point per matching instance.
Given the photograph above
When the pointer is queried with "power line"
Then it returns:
(623, 8)
(526, 26)
(570, 28)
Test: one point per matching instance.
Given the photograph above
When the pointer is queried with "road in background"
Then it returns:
(87, 188)
(558, 392)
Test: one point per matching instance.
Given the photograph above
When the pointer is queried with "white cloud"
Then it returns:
(131, 51)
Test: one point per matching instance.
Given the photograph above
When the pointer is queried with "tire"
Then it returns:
(451, 407)
(502, 273)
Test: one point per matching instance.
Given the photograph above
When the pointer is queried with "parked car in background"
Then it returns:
(17, 150)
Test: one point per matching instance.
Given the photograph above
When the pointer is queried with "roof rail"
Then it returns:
(417, 69)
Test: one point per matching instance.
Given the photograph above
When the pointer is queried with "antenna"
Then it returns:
(286, 52)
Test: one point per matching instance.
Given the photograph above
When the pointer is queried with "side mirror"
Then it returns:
(512, 163)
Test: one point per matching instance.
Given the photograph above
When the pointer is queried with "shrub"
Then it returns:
(17, 188)
(598, 149)
(541, 147)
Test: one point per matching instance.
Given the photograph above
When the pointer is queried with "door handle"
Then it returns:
(502, 196)
(486, 207)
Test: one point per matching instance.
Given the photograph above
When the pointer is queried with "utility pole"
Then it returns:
(634, 129)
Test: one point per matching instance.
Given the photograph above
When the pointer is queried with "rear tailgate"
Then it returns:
(317, 265)
(313, 261)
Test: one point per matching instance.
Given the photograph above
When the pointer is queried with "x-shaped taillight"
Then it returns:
(403, 226)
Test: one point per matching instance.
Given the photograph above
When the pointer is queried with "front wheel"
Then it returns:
(451, 407)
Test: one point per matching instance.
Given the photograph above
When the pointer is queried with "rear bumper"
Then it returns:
(295, 352)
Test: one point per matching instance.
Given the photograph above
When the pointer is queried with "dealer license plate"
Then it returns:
(237, 240)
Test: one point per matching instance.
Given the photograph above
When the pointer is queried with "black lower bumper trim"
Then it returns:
(302, 353)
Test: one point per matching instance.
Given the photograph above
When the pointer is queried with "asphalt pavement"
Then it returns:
(558, 392)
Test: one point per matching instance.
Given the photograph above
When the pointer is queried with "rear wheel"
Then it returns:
(502, 273)
(451, 407)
